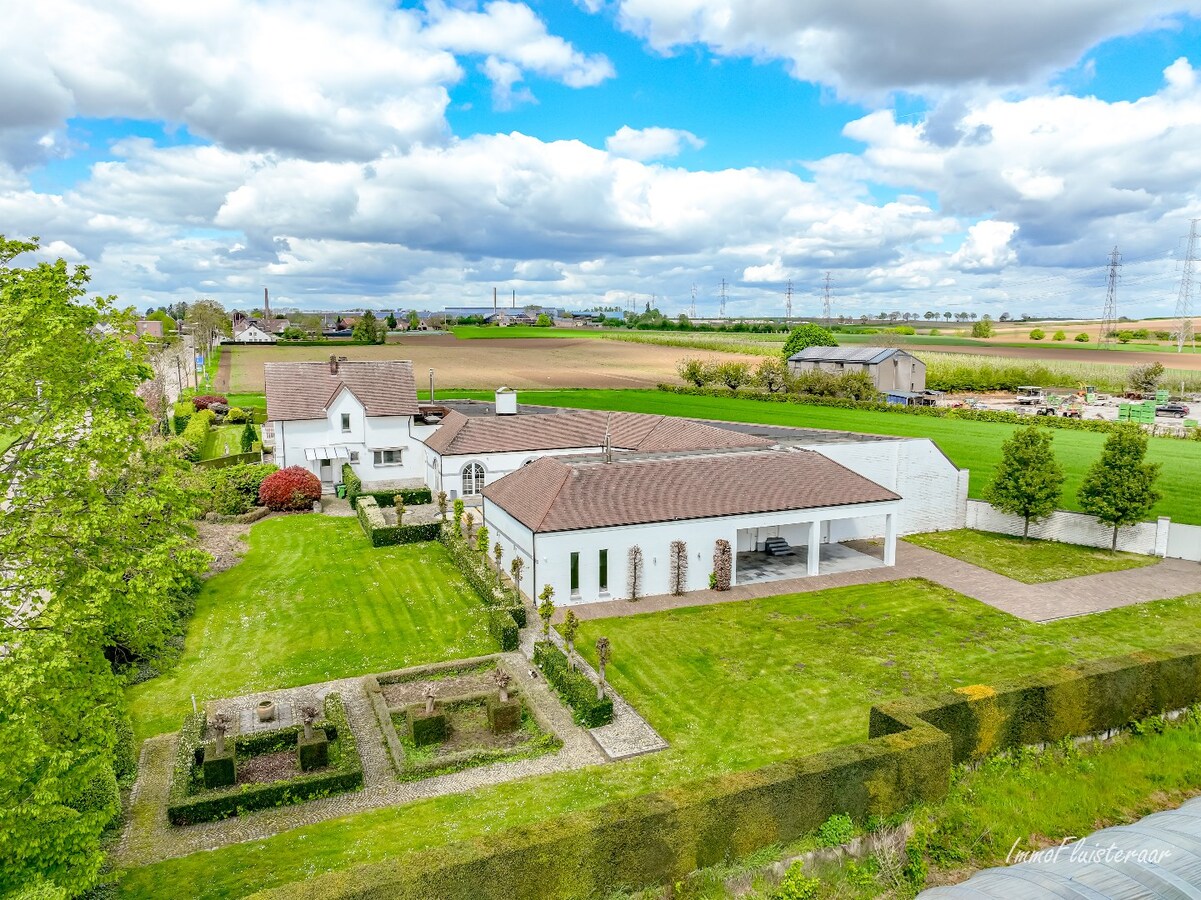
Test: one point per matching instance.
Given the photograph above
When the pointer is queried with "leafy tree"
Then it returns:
(604, 652)
(367, 330)
(571, 625)
(772, 375)
(1125, 337)
(208, 321)
(1059, 336)
(1028, 479)
(1037, 334)
(982, 329)
(733, 374)
(1119, 488)
(808, 335)
(498, 555)
(459, 507)
(515, 568)
(442, 505)
(95, 566)
(543, 321)
(1145, 378)
(1081, 338)
(391, 321)
(695, 371)
(546, 609)
(414, 320)
(481, 539)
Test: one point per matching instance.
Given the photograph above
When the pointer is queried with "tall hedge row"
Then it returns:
(576, 689)
(505, 615)
(659, 837)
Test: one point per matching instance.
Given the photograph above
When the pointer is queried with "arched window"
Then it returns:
(473, 479)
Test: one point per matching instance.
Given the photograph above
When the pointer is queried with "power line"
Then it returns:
(1109, 316)
(1184, 300)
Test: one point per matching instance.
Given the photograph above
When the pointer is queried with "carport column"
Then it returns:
(890, 539)
(815, 547)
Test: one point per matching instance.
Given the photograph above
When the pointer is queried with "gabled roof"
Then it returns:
(580, 429)
(868, 355)
(305, 390)
(553, 494)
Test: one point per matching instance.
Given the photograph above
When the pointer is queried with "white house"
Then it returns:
(575, 522)
(467, 453)
(245, 332)
(322, 415)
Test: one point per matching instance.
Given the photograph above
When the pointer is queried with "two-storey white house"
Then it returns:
(323, 415)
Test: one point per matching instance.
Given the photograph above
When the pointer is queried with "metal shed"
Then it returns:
(1159, 856)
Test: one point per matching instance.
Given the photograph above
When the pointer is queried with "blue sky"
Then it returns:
(420, 154)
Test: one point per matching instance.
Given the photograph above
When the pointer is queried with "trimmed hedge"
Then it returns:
(935, 412)
(192, 439)
(234, 459)
(660, 837)
(576, 689)
(412, 496)
(505, 618)
(381, 534)
(181, 414)
(185, 807)
(503, 627)
(354, 484)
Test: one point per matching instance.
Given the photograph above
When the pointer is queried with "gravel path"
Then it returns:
(148, 837)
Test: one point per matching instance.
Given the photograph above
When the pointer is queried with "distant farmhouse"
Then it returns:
(889, 368)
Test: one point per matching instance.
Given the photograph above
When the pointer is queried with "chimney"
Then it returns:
(333, 365)
(266, 306)
(506, 401)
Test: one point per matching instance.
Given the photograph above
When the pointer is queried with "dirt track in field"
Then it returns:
(483, 364)
(1186, 360)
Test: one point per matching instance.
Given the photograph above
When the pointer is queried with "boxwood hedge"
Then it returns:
(576, 689)
(382, 534)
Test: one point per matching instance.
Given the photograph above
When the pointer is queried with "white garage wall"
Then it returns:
(1069, 527)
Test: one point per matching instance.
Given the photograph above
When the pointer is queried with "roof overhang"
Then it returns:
(315, 453)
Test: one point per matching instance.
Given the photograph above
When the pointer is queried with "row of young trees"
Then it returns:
(1119, 488)
(97, 565)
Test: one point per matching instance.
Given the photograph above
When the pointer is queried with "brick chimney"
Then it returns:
(333, 364)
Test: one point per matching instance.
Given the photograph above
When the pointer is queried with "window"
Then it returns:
(604, 570)
(575, 574)
(473, 479)
(387, 457)
(346, 421)
(354, 456)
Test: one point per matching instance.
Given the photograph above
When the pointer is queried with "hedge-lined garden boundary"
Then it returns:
(506, 615)
(381, 534)
(345, 773)
(934, 412)
(354, 490)
(912, 746)
(576, 689)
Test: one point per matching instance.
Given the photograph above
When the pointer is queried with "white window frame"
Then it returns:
(473, 484)
(354, 456)
(346, 423)
(377, 457)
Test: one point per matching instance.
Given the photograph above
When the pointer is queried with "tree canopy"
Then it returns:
(808, 335)
(95, 563)
(1028, 479)
(367, 330)
(1119, 488)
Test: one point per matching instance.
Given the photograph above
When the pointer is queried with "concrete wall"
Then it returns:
(1183, 542)
(933, 491)
(1071, 528)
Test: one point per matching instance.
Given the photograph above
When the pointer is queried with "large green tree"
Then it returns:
(1028, 479)
(95, 558)
(208, 321)
(808, 335)
(1119, 488)
(367, 330)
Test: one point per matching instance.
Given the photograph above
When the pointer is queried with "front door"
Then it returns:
(327, 472)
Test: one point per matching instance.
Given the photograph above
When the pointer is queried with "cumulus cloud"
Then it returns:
(650, 143)
(867, 48)
(986, 248)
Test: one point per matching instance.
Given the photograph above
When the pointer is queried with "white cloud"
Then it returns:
(644, 144)
(986, 248)
(869, 48)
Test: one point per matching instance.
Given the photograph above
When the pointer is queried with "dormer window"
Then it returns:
(345, 422)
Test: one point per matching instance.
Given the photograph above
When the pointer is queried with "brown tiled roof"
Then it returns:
(304, 390)
(551, 494)
(465, 435)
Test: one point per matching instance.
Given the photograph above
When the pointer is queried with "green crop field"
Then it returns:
(972, 445)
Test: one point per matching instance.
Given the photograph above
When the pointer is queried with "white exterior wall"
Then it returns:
(366, 434)
(445, 473)
(1068, 527)
(933, 491)
(251, 335)
(1183, 541)
(551, 553)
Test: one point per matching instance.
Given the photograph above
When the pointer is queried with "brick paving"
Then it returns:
(1032, 602)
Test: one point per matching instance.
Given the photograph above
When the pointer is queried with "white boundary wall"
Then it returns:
(1160, 538)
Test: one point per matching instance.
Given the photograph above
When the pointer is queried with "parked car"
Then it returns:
(1179, 410)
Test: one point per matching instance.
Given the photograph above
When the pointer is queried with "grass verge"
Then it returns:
(1030, 562)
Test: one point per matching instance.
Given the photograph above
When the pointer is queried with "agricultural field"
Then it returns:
(734, 686)
(312, 601)
(972, 445)
(551, 363)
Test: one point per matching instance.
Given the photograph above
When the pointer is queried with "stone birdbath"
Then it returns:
(265, 710)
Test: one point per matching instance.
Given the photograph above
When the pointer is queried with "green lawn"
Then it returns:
(732, 687)
(309, 602)
(970, 445)
(245, 401)
(1031, 562)
(222, 440)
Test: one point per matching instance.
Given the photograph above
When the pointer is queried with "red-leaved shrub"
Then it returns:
(291, 488)
(204, 401)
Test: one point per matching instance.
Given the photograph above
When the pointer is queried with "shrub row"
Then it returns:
(181, 414)
(354, 484)
(505, 614)
(235, 459)
(576, 689)
(191, 440)
(184, 808)
(411, 496)
(935, 412)
(660, 837)
(381, 534)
